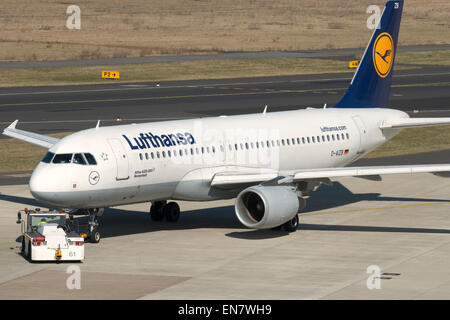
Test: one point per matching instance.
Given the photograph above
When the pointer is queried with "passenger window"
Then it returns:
(169, 154)
(328, 137)
(307, 138)
(146, 156)
(90, 159)
(62, 158)
(48, 157)
(78, 159)
(152, 155)
(313, 140)
(348, 137)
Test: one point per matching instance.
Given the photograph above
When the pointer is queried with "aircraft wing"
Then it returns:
(414, 122)
(34, 138)
(228, 180)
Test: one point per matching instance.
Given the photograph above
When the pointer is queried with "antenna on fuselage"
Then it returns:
(98, 124)
(265, 109)
(325, 106)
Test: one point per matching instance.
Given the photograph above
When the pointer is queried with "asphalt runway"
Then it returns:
(71, 108)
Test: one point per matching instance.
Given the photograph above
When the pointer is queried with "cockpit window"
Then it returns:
(48, 157)
(62, 158)
(90, 159)
(78, 159)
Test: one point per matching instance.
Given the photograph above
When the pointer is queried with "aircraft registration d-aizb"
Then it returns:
(269, 161)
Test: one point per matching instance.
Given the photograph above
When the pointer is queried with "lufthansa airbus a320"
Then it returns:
(269, 161)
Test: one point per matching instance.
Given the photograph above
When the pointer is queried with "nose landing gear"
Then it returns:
(161, 209)
(93, 234)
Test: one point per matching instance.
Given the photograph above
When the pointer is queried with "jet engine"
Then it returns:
(265, 207)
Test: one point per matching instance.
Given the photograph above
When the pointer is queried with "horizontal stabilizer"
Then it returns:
(34, 138)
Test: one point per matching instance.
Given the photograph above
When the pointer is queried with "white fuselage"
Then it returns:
(177, 159)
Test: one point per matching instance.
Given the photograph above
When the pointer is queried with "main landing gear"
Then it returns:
(163, 209)
(290, 226)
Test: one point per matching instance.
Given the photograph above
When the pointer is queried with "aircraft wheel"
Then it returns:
(291, 225)
(94, 236)
(172, 212)
(156, 210)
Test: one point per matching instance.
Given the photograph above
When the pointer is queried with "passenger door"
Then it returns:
(122, 163)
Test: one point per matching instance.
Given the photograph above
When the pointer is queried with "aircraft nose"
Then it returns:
(39, 185)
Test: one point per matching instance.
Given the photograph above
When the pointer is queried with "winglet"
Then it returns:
(13, 125)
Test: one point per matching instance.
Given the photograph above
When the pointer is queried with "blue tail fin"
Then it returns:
(371, 83)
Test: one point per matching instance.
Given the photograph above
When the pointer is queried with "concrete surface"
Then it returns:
(401, 224)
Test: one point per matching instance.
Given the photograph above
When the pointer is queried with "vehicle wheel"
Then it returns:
(94, 237)
(156, 211)
(29, 251)
(172, 212)
(291, 225)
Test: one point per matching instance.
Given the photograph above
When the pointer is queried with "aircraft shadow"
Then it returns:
(26, 201)
(327, 227)
(326, 197)
(118, 222)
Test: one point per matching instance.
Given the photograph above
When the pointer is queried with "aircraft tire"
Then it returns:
(94, 236)
(156, 211)
(291, 225)
(172, 212)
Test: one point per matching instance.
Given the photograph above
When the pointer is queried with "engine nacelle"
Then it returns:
(265, 207)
